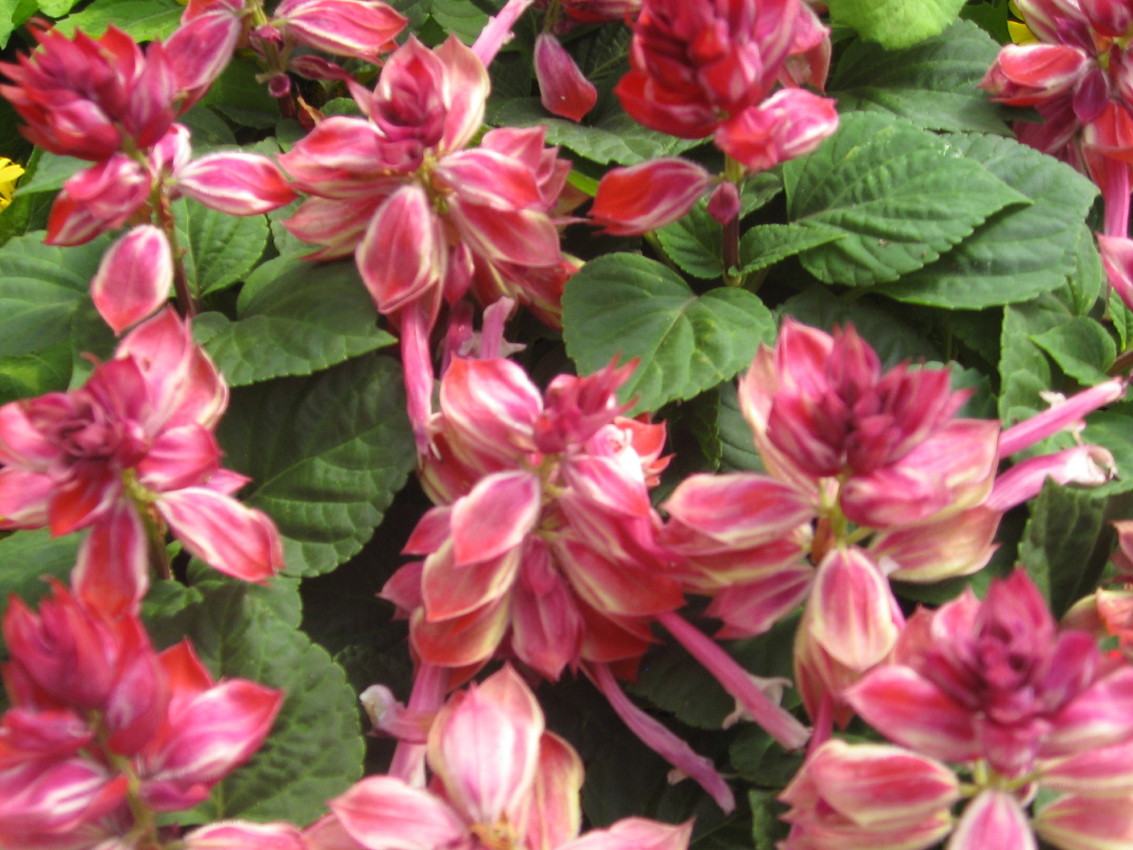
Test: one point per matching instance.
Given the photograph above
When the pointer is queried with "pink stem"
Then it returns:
(498, 31)
(778, 723)
(661, 739)
(1115, 191)
(428, 694)
(417, 367)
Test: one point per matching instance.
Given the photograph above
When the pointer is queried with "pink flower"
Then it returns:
(499, 779)
(363, 29)
(85, 98)
(130, 451)
(563, 88)
(103, 727)
(868, 796)
(427, 219)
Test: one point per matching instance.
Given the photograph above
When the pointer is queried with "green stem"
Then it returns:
(185, 302)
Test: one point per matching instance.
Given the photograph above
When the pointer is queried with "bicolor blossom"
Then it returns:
(992, 687)
(541, 546)
(870, 475)
(706, 68)
(427, 218)
(128, 455)
(104, 732)
(1078, 73)
(500, 780)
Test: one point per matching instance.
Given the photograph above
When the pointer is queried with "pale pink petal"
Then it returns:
(467, 85)
(484, 745)
(751, 608)
(1098, 772)
(852, 604)
(383, 813)
(1085, 823)
(402, 254)
(238, 541)
(1078, 465)
(555, 814)
(1100, 716)
(449, 591)
(133, 278)
(956, 546)
(24, 498)
(495, 517)
(993, 819)
(635, 834)
(245, 835)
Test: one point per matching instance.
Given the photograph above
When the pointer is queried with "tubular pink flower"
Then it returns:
(1060, 416)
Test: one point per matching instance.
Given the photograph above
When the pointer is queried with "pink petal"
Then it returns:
(790, 123)
(751, 608)
(852, 602)
(1084, 823)
(635, 200)
(546, 624)
(402, 254)
(484, 746)
(449, 591)
(235, 183)
(24, 498)
(490, 178)
(180, 457)
(909, 709)
(245, 835)
(495, 517)
(1100, 716)
(239, 541)
(563, 88)
(466, 76)
(956, 546)
(635, 834)
(993, 819)
(1059, 416)
(556, 813)
(383, 813)
(134, 277)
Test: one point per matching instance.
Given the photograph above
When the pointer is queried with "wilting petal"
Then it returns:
(641, 198)
(133, 278)
(112, 570)
(789, 124)
(852, 602)
(993, 819)
(238, 541)
(402, 254)
(563, 88)
(383, 813)
(911, 710)
(495, 517)
(245, 835)
(235, 183)
(1078, 465)
(484, 745)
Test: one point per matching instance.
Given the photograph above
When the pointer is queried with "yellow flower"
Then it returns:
(9, 174)
(1020, 32)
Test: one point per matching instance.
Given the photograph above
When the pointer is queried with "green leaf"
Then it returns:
(90, 336)
(44, 371)
(617, 139)
(767, 244)
(902, 195)
(27, 557)
(142, 20)
(326, 455)
(1087, 278)
(1024, 370)
(315, 748)
(51, 172)
(1122, 318)
(236, 95)
(737, 442)
(1081, 347)
(55, 8)
(208, 128)
(932, 84)
(627, 305)
(759, 190)
(893, 339)
(766, 828)
(1018, 253)
(1058, 541)
(695, 243)
(760, 760)
(895, 23)
(460, 17)
(1114, 431)
(40, 287)
(295, 318)
(219, 249)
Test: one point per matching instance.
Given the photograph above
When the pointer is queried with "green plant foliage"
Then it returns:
(932, 84)
(28, 559)
(1081, 347)
(142, 20)
(326, 455)
(896, 23)
(623, 304)
(294, 318)
(902, 195)
(219, 249)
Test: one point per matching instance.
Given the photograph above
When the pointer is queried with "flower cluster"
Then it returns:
(104, 731)
(427, 219)
(869, 475)
(998, 691)
(128, 454)
(500, 780)
(702, 69)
